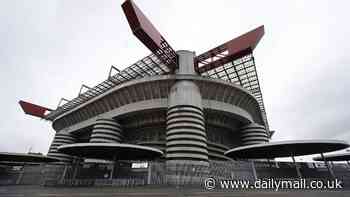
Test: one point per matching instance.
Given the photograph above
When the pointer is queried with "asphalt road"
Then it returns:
(31, 191)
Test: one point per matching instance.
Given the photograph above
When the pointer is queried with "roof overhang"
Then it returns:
(334, 157)
(24, 157)
(286, 149)
(110, 151)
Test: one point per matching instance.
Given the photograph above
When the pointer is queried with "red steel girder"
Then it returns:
(144, 30)
(34, 110)
(229, 51)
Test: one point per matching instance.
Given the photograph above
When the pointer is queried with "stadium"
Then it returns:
(172, 117)
(191, 108)
(187, 116)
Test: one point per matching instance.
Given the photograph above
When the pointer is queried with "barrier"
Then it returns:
(158, 173)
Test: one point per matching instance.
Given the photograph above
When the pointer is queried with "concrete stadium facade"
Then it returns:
(191, 118)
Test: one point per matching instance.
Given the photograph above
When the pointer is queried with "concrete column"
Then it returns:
(254, 170)
(253, 134)
(75, 170)
(106, 131)
(186, 140)
(64, 173)
(19, 179)
(186, 63)
(149, 173)
(61, 138)
(328, 167)
(296, 167)
(113, 168)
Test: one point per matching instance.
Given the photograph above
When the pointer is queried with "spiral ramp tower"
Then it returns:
(253, 134)
(106, 131)
(186, 140)
(61, 138)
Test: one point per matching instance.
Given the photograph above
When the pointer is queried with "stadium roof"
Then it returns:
(25, 157)
(286, 149)
(241, 71)
(148, 66)
(334, 157)
(109, 151)
(232, 61)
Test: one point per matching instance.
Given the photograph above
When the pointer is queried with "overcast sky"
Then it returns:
(49, 48)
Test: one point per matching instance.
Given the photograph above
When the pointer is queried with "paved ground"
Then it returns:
(31, 191)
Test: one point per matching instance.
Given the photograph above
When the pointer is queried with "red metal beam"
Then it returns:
(229, 51)
(34, 110)
(144, 30)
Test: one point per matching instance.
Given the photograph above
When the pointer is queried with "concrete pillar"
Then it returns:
(106, 131)
(61, 138)
(328, 167)
(64, 173)
(149, 174)
(19, 179)
(186, 63)
(254, 170)
(186, 140)
(253, 134)
(297, 167)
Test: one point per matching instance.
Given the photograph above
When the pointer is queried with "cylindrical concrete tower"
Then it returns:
(61, 138)
(106, 131)
(253, 134)
(186, 140)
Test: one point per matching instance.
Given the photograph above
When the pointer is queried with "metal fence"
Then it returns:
(161, 173)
